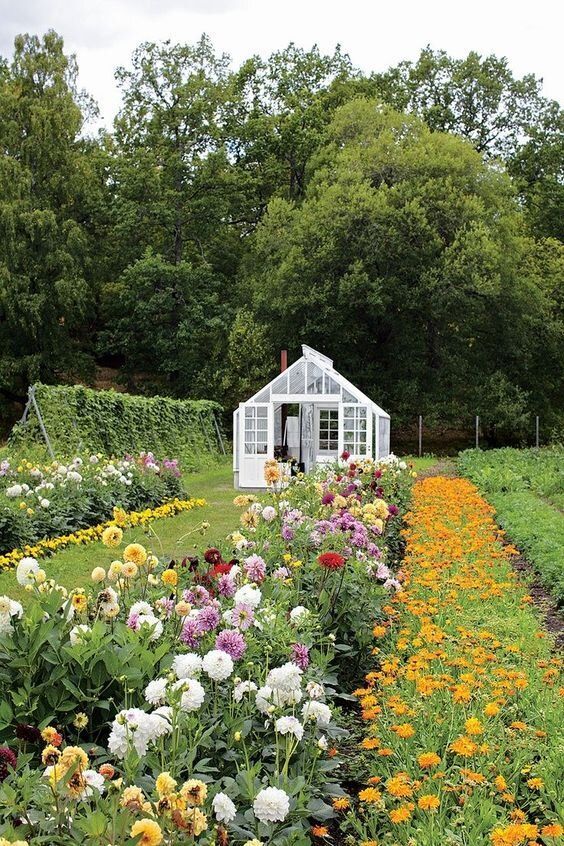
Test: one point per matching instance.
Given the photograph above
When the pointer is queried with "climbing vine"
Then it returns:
(78, 419)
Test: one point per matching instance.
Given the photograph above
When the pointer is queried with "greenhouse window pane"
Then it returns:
(297, 378)
(280, 384)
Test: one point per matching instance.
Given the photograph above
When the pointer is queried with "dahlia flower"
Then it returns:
(218, 665)
(290, 725)
(224, 809)
(187, 666)
(232, 642)
(271, 805)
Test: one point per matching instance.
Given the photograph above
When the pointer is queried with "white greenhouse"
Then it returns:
(309, 414)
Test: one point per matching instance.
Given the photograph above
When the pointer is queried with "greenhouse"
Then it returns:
(307, 415)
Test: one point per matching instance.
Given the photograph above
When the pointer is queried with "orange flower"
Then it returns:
(473, 726)
(341, 803)
(401, 814)
(399, 786)
(369, 794)
(552, 830)
(370, 743)
(428, 802)
(491, 709)
(319, 830)
(535, 783)
(428, 759)
(463, 746)
(500, 783)
(404, 730)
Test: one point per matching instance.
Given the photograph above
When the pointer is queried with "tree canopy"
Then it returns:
(407, 222)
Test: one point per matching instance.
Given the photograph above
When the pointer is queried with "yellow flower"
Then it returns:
(80, 721)
(491, 709)
(463, 746)
(112, 536)
(98, 574)
(195, 821)
(170, 578)
(132, 798)
(194, 792)
(428, 802)
(150, 830)
(136, 553)
(369, 794)
(120, 516)
(404, 730)
(129, 570)
(165, 784)
(428, 759)
(79, 602)
(473, 726)
(535, 783)
(72, 755)
(401, 814)
(182, 608)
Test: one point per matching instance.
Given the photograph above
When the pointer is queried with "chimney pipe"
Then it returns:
(284, 407)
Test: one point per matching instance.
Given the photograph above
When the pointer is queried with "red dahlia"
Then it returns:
(331, 560)
(8, 761)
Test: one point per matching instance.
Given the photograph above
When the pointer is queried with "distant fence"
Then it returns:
(434, 437)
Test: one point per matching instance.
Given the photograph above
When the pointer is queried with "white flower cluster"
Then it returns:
(136, 728)
(9, 609)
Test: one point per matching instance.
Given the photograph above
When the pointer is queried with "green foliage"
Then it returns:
(167, 320)
(45, 297)
(222, 190)
(412, 242)
(526, 488)
(116, 424)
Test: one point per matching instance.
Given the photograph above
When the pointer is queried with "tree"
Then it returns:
(45, 296)
(407, 262)
(281, 108)
(168, 322)
(168, 153)
(476, 97)
(249, 361)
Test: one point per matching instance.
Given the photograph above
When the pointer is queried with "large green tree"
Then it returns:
(45, 296)
(408, 262)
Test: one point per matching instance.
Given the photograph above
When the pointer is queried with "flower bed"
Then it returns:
(463, 710)
(39, 501)
(198, 701)
(92, 534)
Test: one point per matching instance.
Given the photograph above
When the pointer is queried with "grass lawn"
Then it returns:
(72, 567)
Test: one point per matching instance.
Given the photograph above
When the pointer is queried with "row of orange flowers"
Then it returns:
(48, 546)
(464, 711)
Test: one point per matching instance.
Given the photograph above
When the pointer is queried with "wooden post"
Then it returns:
(477, 432)
(537, 432)
(420, 435)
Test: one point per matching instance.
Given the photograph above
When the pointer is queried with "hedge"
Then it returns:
(81, 419)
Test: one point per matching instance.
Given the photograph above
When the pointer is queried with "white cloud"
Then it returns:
(375, 33)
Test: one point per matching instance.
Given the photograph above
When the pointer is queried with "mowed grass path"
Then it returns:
(72, 567)
(171, 537)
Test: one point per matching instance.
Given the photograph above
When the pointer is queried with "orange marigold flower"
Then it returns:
(473, 726)
(500, 783)
(319, 830)
(369, 794)
(535, 783)
(518, 725)
(463, 746)
(428, 802)
(552, 830)
(428, 759)
(491, 709)
(404, 730)
(379, 631)
(401, 814)
(370, 743)
(399, 786)
(341, 803)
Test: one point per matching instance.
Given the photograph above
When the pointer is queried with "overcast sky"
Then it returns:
(375, 33)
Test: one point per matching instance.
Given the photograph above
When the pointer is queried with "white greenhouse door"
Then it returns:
(326, 433)
(355, 430)
(256, 443)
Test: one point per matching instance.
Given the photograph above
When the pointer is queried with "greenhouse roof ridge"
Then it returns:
(313, 355)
